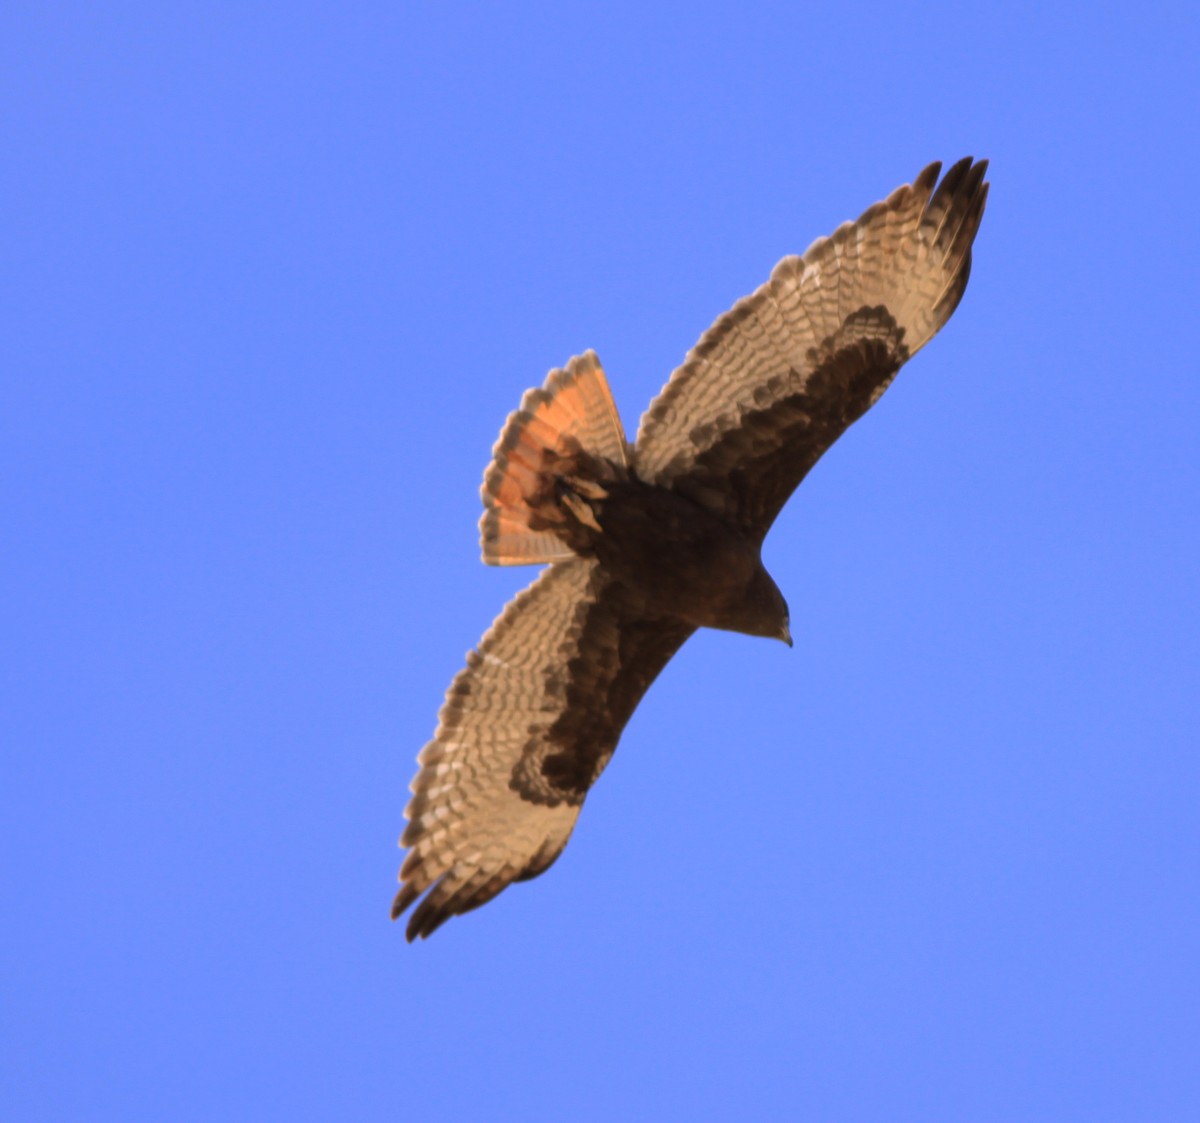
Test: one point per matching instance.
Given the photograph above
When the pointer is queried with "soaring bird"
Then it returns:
(646, 542)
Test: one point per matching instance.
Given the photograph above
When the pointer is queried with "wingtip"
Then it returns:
(927, 177)
(403, 899)
(965, 176)
(968, 169)
(423, 921)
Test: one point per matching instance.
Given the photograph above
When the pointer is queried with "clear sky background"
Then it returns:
(272, 277)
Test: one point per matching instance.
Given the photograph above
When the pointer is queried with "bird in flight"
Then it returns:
(646, 542)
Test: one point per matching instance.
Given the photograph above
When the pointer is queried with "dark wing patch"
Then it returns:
(840, 319)
(526, 728)
(749, 471)
(619, 657)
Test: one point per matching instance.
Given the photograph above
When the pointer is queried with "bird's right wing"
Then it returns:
(780, 376)
(527, 727)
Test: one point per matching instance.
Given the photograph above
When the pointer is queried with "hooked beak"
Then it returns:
(786, 634)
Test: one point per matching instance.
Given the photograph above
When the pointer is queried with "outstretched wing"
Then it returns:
(527, 727)
(777, 379)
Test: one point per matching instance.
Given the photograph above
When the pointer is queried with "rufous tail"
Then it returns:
(548, 456)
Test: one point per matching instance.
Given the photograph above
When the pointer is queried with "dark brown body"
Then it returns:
(674, 558)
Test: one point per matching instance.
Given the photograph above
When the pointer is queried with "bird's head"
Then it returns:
(763, 611)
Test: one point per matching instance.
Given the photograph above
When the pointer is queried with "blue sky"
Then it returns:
(272, 279)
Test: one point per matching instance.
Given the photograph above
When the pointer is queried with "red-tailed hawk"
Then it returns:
(650, 541)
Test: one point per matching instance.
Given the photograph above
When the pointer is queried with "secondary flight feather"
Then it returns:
(647, 542)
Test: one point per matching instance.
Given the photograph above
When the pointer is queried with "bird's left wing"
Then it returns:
(777, 379)
(527, 727)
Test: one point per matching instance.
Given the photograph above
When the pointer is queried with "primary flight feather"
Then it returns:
(649, 541)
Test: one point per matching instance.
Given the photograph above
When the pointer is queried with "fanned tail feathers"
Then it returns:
(572, 415)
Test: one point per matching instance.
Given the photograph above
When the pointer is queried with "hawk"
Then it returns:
(646, 542)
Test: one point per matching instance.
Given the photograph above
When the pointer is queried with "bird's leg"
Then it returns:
(574, 493)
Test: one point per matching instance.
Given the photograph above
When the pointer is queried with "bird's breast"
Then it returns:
(673, 555)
